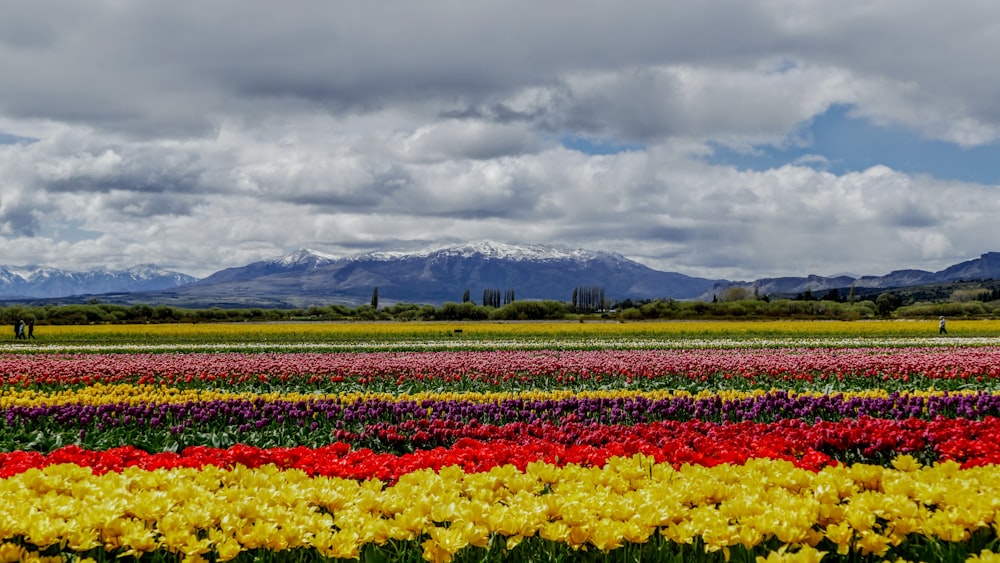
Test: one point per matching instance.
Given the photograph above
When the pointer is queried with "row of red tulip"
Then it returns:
(481, 447)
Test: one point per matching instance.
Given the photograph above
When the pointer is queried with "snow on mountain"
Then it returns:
(148, 272)
(439, 275)
(519, 253)
(296, 262)
(45, 282)
(302, 256)
(492, 250)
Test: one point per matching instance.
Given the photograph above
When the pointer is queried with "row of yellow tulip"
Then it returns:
(865, 509)
(127, 393)
(327, 331)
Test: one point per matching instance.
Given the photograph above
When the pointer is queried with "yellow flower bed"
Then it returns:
(313, 331)
(127, 393)
(861, 508)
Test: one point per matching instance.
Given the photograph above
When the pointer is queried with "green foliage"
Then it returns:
(630, 314)
(886, 303)
(588, 299)
(961, 299)
(491, 297)
(950, 309)
(736, 294)
(530, 311)
(467, 311)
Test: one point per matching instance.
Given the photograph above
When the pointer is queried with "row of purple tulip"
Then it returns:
(327, 419)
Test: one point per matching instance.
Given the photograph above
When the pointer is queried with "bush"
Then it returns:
(631, 314)
(467, 311)
(951, 309)
(530, 311)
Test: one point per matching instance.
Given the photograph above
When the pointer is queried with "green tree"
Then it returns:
(832, 295)
(735, 294)
(491, 298)
(587, 299)
(886, 303)
(508, 296)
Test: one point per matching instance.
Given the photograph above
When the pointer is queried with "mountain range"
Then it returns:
(44, 282)
(305, 278)
(986, 267)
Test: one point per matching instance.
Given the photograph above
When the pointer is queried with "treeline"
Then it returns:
(107, 313)
(747, 309)
(491, 297)
(588, 299)
(885, 306)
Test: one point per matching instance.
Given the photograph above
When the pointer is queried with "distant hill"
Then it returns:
(306, 278)
(43, 282)
(986, 267)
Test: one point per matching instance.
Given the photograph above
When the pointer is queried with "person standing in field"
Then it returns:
(31, 329)
(941, 328)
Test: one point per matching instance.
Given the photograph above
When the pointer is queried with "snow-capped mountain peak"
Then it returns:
(45, 282)
(302, 256)
(147, 271)
(515, 252)
(439, 275)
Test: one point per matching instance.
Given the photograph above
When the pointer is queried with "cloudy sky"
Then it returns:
(735, 139)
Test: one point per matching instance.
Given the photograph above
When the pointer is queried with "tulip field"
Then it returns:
(520, 442)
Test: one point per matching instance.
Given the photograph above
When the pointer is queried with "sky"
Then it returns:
(735, 139)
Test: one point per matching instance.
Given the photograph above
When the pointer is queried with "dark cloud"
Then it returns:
(912, 216)
(30, 26)
(637, 107)
(141, 67)
(495, 112)
(173, 69)
(146, 171)
(650, 234)
(149, 205)
(336, 201)
(19, 220)
(145, 181)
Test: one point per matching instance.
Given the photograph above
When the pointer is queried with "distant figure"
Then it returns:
(941, 329)
(20, 329)
(31, 329)
(17, 330)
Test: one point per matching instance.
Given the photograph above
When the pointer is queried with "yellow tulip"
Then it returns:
(841, 534)
(873, 543)
(985, 556)
(805, 554)
(11, 552)
(211, 509)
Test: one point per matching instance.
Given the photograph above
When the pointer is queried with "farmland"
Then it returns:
(534, 441)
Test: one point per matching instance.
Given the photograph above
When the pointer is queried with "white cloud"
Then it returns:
(160, 127)
(476, 140)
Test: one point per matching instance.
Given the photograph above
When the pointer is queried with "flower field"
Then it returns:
(510, 442)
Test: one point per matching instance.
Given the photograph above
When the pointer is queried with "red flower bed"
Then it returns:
(482, 447)
(495, 368)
